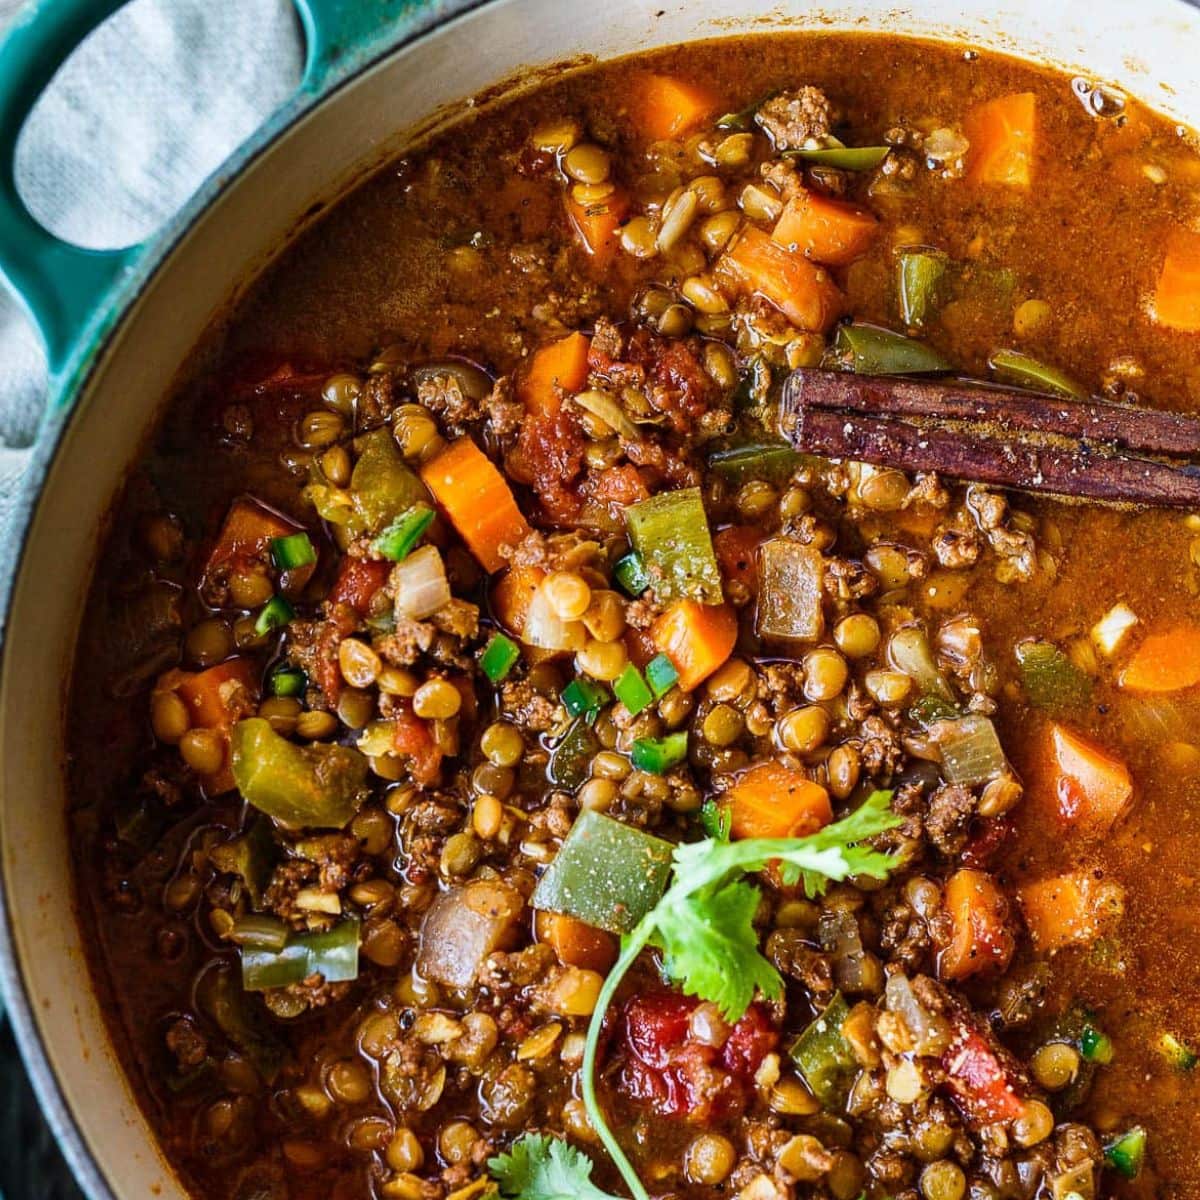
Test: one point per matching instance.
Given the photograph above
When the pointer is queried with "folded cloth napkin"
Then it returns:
(149, 106)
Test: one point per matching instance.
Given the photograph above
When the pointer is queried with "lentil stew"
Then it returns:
(502, 765)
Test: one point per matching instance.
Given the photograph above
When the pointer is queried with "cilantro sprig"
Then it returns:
(704, 928)
(538, 1167)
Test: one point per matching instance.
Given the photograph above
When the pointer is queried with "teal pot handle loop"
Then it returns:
(338, 33)
(63, 287)
(58, 284)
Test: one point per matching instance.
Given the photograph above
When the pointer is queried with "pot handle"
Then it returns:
(58, 285)
(339, 33)
(61, 286)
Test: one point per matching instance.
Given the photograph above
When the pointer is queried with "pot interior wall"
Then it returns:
(1144, 48)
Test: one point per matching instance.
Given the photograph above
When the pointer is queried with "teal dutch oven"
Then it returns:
(117, 326)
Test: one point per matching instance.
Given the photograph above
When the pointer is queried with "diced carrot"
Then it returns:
(825, 230)
(1069, 910)
(559, 366)
(697, 638)
(982, 938)
(246, 536)
(774, 801)
(1177, 297)
(803, 291)
(576, 943)
(596, 223)
(512, 594)
(413, 738)
(736, 549)
(1088, 787)
(666, 107)
(358, 580)
(1003, 135)
(219, 696)
(1164, 662)
(477, 499)
(216, 699)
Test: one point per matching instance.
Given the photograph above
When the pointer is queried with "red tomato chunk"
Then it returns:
(667, 1067)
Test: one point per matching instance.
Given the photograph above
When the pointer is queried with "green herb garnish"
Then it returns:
(703, 926)
(538, 1167)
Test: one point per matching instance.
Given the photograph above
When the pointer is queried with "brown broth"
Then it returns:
(420, 255)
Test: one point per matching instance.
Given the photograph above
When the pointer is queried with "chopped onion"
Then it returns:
(842, 941)
(1160, 720)
(971, 750)
(546, 630)
(606, 406)
(1110, 630)
(930, 1032)
(463, 927)
(791, 580)
(421, 584)
(909, 651)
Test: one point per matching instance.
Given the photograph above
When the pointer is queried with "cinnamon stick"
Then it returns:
(1134, 428)
(1007, 438)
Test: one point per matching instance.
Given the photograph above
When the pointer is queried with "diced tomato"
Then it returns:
(986, 841)
(549, 458)
(983, 1081)
(414, 738)
(737, 552)
(357, 582)
(668, 1069)
(752, 1039)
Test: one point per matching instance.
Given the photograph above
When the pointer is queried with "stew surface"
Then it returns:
(468, 577)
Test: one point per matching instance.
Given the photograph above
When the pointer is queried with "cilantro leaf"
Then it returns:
(538, 1167)
(710, 947)
(704, 925)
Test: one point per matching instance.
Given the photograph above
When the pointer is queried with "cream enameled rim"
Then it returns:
(1150, 48)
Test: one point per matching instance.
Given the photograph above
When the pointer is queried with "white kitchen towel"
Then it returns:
(149, 106)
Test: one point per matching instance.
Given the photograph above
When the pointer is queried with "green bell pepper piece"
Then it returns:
(630, 574)
(845, 158)
(606, 874)
(275, 614)
(332, 954)
(670, 533)
(873, 350)
(772, 461)
(584, 698)
(382, 487)
(1025, 371)
(382, 484)
(1051, 680)
(661, 675)
(318, 786)
(1095, 1045)
(251, 857)
(1127, 1153)
(633, 691)
(219, 998)
(287, 681)
(499, 657)
(295, 550)
(1180, 1055)
(659, 755)
(570, 757)
(399, 539)
(824, 1057)
(920, 276)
